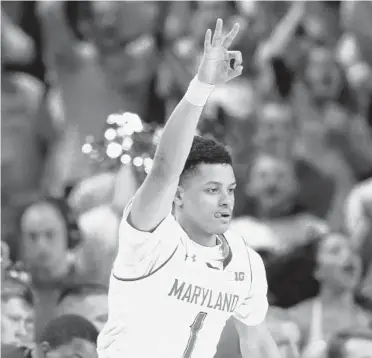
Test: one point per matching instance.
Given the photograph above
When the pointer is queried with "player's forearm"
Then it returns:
(176, 139)
(258, 342)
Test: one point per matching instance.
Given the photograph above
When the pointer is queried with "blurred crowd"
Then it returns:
(86, 88)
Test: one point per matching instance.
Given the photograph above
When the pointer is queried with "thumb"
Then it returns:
(232, 73)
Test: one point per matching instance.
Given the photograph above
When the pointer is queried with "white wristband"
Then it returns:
(198, 92)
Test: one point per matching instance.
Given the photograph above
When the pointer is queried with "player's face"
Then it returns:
(76, 348)
(44, 241)
(92, 307)
(358, 348)
(207, 198)
(272, 182)
(337, 263)
(17, 322)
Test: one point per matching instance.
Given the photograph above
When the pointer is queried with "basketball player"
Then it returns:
(177, 279)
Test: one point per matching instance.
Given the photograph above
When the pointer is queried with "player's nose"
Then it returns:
(225, 200)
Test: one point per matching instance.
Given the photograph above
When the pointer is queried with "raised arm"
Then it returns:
(284, 32)
(153, 201)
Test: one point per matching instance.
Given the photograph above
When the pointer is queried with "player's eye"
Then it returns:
(212, 190)
(231, 190)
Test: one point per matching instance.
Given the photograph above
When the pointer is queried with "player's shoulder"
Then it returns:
(167, 230)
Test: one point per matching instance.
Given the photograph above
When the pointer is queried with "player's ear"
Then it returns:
(178, 199)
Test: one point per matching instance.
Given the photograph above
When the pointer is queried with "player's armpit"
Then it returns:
(256, 341)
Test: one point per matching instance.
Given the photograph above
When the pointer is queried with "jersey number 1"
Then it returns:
(195, 328)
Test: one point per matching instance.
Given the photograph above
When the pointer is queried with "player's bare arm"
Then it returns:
(256, 341)
(153, 201)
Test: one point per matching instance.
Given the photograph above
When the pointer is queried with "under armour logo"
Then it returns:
(192, 257)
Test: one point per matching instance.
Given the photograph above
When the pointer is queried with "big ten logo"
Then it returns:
(239, 276)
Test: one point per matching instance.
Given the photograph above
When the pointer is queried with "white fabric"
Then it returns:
(253, 310)
(198, 92)
(178, 297)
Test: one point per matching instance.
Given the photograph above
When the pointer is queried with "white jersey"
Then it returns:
(171, 298)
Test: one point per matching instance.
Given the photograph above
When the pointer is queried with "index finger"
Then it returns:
(229, 38)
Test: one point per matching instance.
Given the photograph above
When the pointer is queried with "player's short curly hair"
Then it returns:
(205, 151)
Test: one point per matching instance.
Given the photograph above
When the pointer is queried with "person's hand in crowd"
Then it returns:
(283, 34)
(92, 192)
(358, 206)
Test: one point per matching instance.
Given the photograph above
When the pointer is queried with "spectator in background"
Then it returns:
(69, 336)
(273, 192)
(28, 130)
(276, 130)
(277, 133)
(358, 212)
(49, 234)
(94, 258)
(60, 250)
(352, 343)
(17, 313)
(86, 300)
(302, 70)
(49, 231)
(273, 187)
(338, 271)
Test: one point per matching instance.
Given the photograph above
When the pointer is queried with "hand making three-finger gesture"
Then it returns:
(215, 65)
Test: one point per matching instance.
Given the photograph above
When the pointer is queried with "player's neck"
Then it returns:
(203, 240)
(197, 235)
(332, 295)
